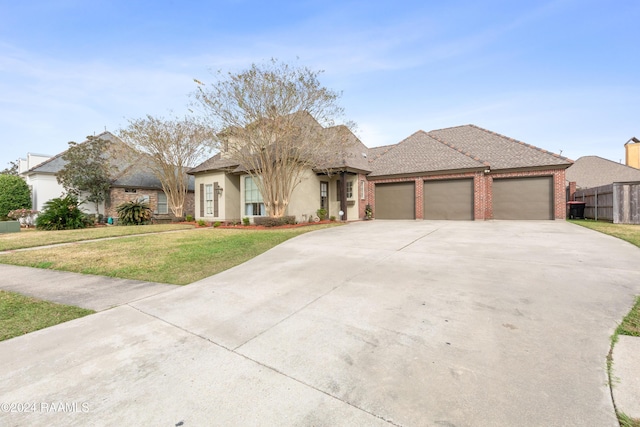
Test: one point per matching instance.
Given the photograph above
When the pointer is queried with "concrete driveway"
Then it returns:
(412, 323)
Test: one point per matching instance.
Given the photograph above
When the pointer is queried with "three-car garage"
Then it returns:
(511, 198)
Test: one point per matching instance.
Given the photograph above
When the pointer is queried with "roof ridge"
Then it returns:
(520, 142)
(611, 161)
(453, 147)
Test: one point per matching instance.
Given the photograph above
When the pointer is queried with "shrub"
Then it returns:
(14, 194)
(135, 212)
(25, 216)
(61, 213)
(189, 218)
(322, 214)
(217, 224)
(246, 221)
(202, 223)
(269, 221)
(332, 218)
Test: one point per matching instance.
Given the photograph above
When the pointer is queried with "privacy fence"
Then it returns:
(618, 202)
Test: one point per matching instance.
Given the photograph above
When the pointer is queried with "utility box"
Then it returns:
(9, 226)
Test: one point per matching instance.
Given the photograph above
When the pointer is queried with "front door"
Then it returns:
(324, 196)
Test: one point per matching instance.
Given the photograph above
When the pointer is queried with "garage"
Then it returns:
(395, 200)
(448, 199)
(523, 198)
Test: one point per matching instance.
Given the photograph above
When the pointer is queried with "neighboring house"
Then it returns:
(610, 190)
(594, 171)
(463, 172)
(131, 180)
(632, 152)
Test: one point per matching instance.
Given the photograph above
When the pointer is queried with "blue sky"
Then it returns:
(561, 75)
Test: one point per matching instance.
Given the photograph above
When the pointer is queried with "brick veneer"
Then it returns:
(482, 187)
(117, 196)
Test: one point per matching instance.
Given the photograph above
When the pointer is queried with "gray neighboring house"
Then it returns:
(131, 180)
(594, 171)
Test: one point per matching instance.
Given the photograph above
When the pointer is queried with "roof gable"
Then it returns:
(421, 152)
(499, 151)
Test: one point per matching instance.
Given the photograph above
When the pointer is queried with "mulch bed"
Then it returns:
(257, 227)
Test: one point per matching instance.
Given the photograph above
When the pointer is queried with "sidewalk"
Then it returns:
(82, 290)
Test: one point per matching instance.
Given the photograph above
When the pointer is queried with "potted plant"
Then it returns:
(368, 212)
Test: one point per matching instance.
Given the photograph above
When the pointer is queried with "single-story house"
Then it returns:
(464, 173)
(131, 180)
(594, 171)
(610, 190)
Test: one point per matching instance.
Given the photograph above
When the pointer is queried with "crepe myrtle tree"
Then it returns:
(272, 120)
(170, 147)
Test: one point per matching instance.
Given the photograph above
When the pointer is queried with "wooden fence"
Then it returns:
(618, 202)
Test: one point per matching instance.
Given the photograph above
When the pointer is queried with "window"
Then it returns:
(253, 204)
(208, 199)
(362, 190)
(349, 190)
(163, 208)
(130, 190)
(324, 195)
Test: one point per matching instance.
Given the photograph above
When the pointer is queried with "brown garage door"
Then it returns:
(395, 201)
(450, 199)
(523, 198)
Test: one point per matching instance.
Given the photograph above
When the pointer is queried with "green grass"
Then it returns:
(20, 314)
(33, 238)
(628, 232)
(626, 421)
(631, 323)
(178, 258)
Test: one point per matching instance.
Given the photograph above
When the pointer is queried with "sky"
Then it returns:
(563, 75)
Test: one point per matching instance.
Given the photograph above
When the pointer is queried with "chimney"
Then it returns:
(632, 152)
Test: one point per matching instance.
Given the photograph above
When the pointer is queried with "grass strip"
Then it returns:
(21, 314)
(33, 238)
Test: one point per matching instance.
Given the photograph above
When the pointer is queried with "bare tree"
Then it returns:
(173, 146)
(272, 121)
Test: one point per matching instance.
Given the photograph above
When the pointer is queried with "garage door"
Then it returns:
(450, 199)
(395, 201)
(523, 198)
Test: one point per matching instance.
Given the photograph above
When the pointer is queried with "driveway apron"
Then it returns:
(421, 323)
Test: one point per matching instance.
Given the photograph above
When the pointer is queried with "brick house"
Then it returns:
(131, 180)
(463, 173)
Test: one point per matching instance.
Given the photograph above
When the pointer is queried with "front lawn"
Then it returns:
(20, 314)
(32, 238)
(628, 232)
(177, 258)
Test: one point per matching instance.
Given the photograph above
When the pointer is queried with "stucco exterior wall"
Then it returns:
(228, 201)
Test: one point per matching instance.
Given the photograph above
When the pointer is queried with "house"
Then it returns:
(464, 172)
(226, 192)
(609, 190)
(594, 171)
(131, 180)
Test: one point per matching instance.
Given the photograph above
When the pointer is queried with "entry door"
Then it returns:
(324, 195)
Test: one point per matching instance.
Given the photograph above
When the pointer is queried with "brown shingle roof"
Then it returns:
(214, 163)
(421, 153)
(594, 171)
(499, 151)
